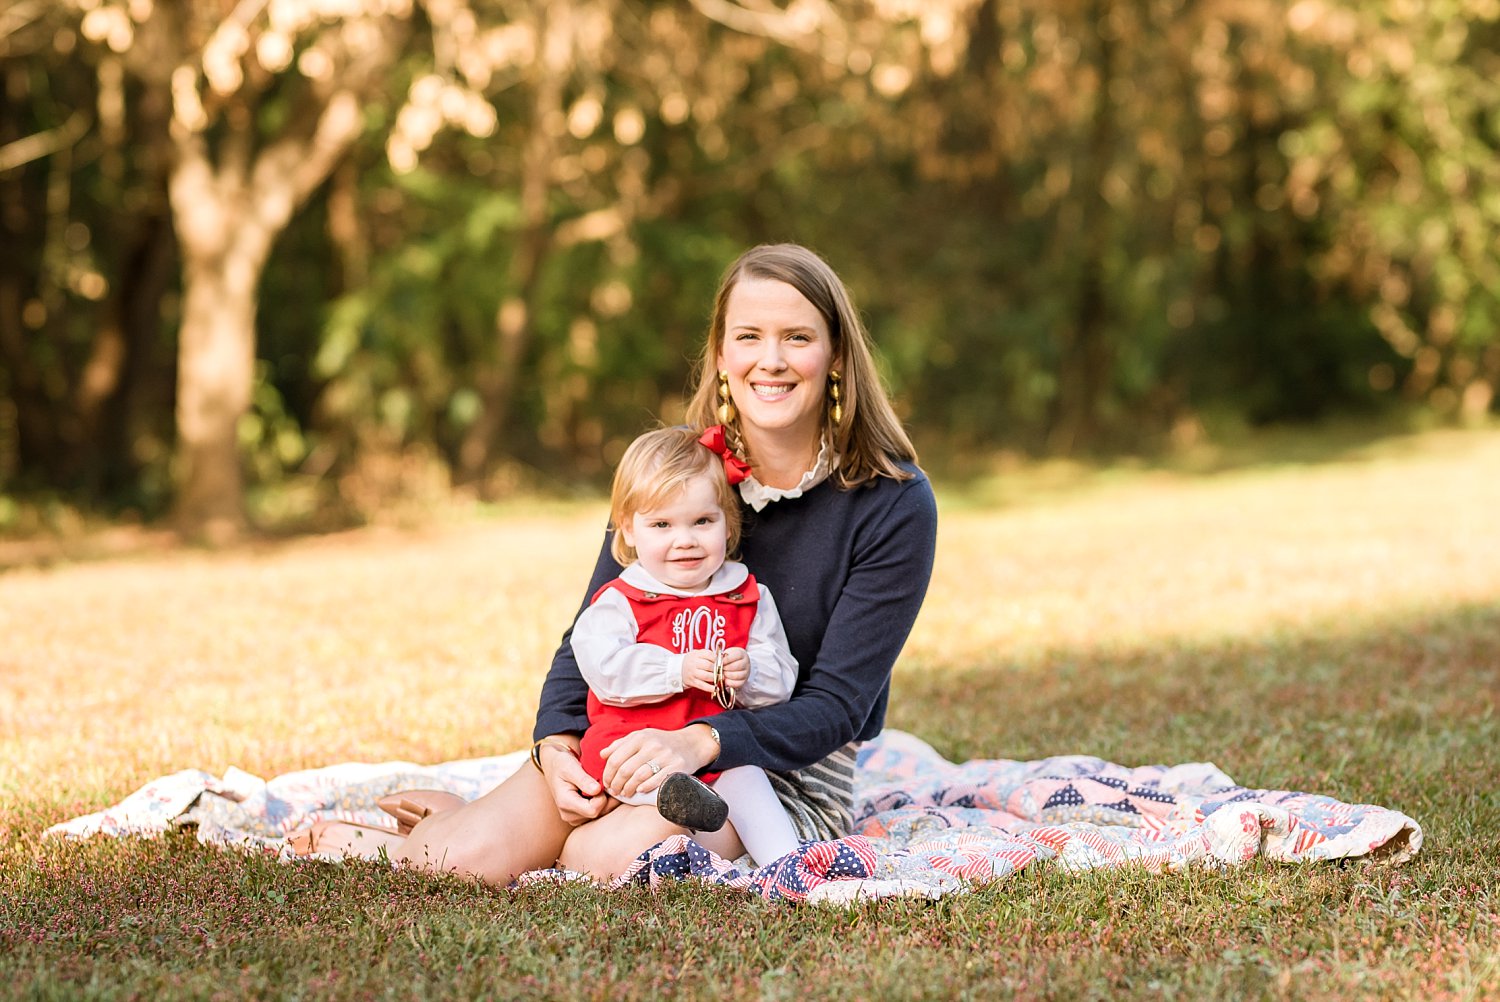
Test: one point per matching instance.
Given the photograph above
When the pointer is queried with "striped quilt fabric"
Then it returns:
(923, 826)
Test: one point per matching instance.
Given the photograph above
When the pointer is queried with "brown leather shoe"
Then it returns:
(689, 802)
(410, 806)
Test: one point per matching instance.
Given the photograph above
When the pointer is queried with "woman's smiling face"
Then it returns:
(778, 352)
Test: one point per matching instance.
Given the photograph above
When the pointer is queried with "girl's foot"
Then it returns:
(691, 803)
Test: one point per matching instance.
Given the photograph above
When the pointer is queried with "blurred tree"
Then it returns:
(1122, 220)
(266, 96)
(606, 204)
(1077, 225)
(87, 262)
(1400, 160)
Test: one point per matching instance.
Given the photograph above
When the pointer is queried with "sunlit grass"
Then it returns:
(1330, 624)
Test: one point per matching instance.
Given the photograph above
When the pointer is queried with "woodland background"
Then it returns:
(284, 261)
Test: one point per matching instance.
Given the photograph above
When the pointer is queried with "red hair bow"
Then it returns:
(714, 439)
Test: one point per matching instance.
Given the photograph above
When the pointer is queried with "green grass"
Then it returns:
(1314, 617)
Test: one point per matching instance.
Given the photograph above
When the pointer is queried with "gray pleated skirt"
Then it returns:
(820, 798)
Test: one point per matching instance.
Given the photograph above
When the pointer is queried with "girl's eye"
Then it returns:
(657, 524)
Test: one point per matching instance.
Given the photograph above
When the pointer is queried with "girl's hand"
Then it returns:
(698, 671)
(579, 797)
(736, 667)
(628, 760)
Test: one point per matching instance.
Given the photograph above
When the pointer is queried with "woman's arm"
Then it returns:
(773, 670)
(890, 564)
(563, 706)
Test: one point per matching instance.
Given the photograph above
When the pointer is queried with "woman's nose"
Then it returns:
(772, 357)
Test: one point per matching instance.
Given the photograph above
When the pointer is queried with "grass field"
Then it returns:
(1324, 620)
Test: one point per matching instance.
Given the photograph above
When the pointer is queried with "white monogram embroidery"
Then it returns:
(700, 629)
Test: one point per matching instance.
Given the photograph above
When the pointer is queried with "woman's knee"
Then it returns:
(598, 859)
(605, 848)
(505, 833)
(491, 853)
(437, 845)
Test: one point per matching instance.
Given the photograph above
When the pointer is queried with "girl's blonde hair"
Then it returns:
(653, 470)
(869, 441)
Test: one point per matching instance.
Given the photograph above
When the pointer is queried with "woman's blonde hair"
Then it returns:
(869, 441)
(657, 466)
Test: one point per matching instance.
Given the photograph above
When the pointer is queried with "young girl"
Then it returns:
(684, 633)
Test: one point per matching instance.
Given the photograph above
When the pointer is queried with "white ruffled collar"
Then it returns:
(757, 495)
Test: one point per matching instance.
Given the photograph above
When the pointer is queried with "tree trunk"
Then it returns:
(515, 320)
(215, 375)
(28, 423)
(221, 267)
(227, 216)
(115, 379)
(123, 391)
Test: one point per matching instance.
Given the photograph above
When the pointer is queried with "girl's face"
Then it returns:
(682, 542)
(777, 351)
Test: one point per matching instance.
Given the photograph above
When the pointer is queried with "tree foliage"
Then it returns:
(471, 238)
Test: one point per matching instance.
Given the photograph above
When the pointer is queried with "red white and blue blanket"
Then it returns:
(924, 826)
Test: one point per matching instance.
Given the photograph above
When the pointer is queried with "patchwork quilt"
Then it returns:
(924, 826)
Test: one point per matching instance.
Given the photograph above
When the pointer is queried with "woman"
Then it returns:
(839, 523)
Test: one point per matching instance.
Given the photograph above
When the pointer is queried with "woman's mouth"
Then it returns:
(772, 391)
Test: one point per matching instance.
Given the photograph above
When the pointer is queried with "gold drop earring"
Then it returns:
(726, 411)
(836, 396)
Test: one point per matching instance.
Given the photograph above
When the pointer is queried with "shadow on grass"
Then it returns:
(1403, 715)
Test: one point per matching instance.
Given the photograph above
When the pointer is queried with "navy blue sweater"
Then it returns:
(848, 569)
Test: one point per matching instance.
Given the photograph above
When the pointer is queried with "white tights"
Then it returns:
(754, 810)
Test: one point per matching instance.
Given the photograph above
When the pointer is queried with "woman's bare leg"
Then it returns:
(515, 828)
(724, 843)
(605, 848)
(508, 831)
(345, 839)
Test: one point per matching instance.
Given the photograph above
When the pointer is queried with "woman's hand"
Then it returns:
(579, 797)
(628, 760)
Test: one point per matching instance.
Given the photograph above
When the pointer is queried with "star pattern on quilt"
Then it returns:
(923, 826)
